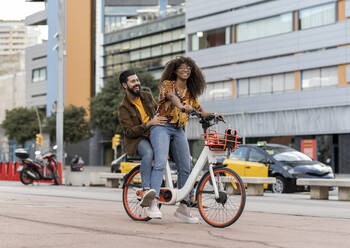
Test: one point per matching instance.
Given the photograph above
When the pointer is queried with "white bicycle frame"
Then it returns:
(180, 194)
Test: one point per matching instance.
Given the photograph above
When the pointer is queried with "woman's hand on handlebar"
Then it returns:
(216, 116)
(208, 116)
(220, 117)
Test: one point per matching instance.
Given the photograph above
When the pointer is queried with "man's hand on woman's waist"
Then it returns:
(157, 120)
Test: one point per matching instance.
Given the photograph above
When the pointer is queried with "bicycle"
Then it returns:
(220, 192)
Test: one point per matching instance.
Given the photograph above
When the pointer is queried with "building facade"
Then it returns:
(36, 65)
(13, 37)
(150, 46)
(279, 70)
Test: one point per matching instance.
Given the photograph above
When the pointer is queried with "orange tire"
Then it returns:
(227, 209)
(131, 201)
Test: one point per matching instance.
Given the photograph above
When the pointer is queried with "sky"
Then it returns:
(18, 9)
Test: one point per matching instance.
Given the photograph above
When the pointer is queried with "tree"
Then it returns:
(76, 127)
(21, 124)
(104, 106)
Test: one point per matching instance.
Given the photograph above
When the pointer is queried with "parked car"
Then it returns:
(124, 164)
(282, 162)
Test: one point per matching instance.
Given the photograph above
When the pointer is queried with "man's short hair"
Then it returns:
(123, 78)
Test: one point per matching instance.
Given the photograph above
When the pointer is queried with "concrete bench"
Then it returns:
(319, 188)
(114, 180)
(255, 185)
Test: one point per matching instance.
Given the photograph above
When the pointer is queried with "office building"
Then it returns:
(279, 70)
(149, 46)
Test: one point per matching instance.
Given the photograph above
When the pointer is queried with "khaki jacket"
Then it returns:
(131, 122)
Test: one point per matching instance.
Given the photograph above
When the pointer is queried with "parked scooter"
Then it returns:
(42, 168)
(77, 164)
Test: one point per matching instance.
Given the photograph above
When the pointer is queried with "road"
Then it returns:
(60, 216)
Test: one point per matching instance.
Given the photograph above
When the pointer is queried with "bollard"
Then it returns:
(3, 167)
(59, 170)
(10, 173)
(16, 173)
(5, 171)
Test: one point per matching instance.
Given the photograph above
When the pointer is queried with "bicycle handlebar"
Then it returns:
(208, 121)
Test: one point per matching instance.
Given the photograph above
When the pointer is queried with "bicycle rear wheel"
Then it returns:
(227, 209)
(131, 199)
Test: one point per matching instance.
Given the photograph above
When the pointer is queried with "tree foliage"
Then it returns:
(21, 124)
(76, 127)
(104, 106)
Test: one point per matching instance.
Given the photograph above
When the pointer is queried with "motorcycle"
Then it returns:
(42, 168)
(77, 164)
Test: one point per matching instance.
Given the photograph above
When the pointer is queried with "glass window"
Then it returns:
(157, 38)
(117, 58)
(156, 62)
(109, 59)
(123, 58)
(311, 78)
(210, 38)
(146, 41)
(177, 46)
(266, 85)
(109, 71)
(166, 48)
(165, 60)
(135, 43)
(183, 45)
(265, 27)
(125, 66)
(39, 74)
(223, 90)
(329, 76)
(178, 34)
(289, 82)
(167, 36)
(135, 55)
(228, 35)
(321, 77)
(156, 50)
(256, 156)
(145, 53)
(243, 87)
(254, 86)
(194, 43)
(117, 68)
(277, 83)
(217, 91)
(125, 45)
(240, 154)
(317, 16)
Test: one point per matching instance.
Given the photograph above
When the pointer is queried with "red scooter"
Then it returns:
(42, 168)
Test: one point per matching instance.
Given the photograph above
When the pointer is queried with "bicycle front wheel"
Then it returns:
(131, 199)
(227, 209)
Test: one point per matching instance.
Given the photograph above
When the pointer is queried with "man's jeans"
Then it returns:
(145, 151)
(160, 140)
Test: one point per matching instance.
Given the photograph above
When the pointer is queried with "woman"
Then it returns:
(181, 83)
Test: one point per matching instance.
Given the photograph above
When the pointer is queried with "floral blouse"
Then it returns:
(167, 109)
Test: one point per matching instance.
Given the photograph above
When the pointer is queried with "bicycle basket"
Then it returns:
(221, 141)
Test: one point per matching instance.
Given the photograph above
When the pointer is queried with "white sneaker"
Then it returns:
(147, 197)
(183, 212)
(153, 211)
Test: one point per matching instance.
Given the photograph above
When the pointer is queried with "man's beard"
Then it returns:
(136, 93)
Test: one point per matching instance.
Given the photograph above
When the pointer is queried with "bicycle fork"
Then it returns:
(213, 180)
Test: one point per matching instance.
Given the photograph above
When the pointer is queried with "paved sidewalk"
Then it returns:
(298, 204)
(45, 216)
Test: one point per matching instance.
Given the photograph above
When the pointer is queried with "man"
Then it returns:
(136, 116)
